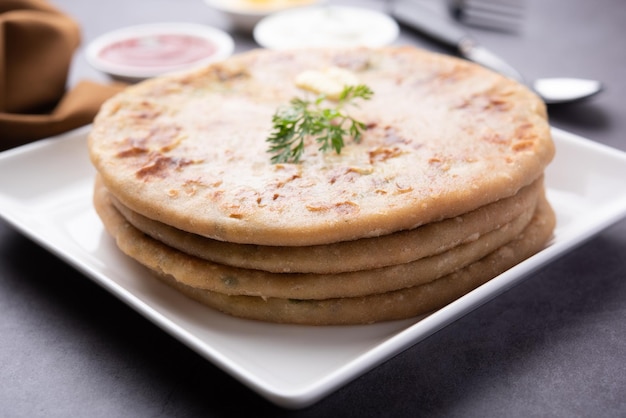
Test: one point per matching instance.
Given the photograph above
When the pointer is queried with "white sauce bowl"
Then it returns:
(326, 26)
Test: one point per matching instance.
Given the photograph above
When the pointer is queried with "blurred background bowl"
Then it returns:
(245, 14)
(135, 53)
(325, 26)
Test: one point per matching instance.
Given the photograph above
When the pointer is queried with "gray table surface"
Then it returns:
(554, 345)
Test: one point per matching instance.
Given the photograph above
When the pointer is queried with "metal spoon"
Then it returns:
(444, 31)
(566, 90)
(555, 90)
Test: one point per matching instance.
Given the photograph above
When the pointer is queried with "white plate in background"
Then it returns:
(245, 14)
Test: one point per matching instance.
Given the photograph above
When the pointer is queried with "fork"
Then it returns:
(501, 15)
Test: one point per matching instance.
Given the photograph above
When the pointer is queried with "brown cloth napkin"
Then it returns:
(37, 42)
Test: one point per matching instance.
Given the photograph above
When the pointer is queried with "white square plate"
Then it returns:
(45, 192)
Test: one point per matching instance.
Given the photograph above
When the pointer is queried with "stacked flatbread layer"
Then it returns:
(443, 192)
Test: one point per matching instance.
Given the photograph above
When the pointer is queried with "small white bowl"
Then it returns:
(245, 14)
(326, 26)
(138, 52)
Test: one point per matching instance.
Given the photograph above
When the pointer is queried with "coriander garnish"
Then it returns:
(291, 125)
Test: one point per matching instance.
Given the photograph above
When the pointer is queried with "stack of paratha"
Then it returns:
(443, 192)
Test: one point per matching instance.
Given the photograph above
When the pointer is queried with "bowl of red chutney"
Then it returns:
(139, 52)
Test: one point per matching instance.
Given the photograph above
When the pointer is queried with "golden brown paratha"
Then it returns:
(363, 254)
(445, 137)
(202, 274)
(190, 275)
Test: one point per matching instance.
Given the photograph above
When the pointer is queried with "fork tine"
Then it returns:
(503, 15)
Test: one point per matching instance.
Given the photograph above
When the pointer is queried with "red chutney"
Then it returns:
(158, 50)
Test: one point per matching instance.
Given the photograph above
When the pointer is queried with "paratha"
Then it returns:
(369, 308)
(202, 274)
(362, 254)
(444, 137)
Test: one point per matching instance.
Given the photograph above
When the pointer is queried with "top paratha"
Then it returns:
(445, 137)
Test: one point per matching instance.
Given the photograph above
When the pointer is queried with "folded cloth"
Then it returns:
(37, 43)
